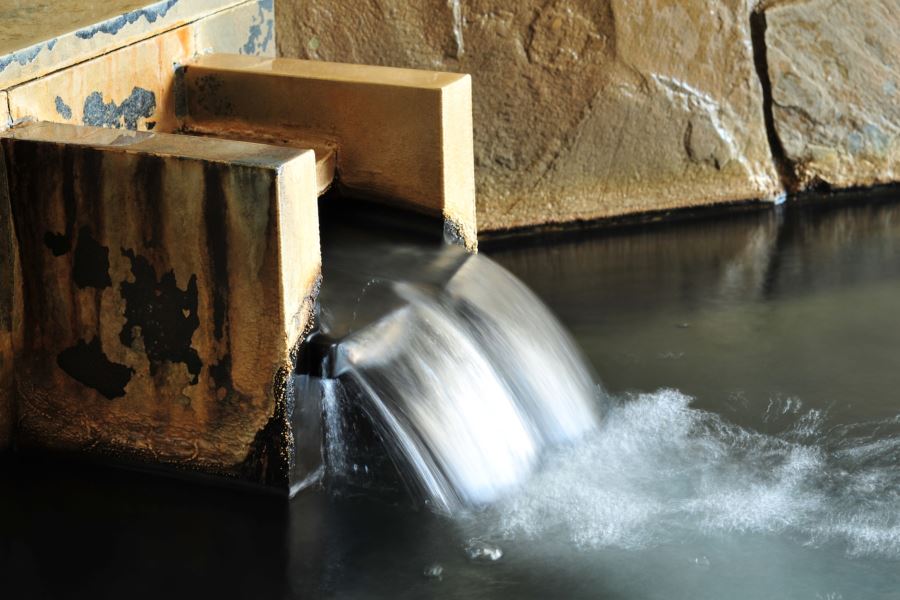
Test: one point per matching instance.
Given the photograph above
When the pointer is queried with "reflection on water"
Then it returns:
(753, 451)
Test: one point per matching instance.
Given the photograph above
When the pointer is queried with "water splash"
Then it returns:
(466, 381)
(659, 472)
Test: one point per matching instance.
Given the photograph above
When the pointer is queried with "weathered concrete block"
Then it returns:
(835, 73)
(134, 87)
(583, 109)
(248, 28)
(131, 88)
(43, 36)
(400, 135)
(168, 280)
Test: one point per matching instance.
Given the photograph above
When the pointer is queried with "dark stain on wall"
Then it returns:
(86, 363)
(91, 266)
(139, 104)
(165, 315)
(58, 243)
(258, 42)
(114, 25)
(63, 109)
(23, 57)
(215, 219)
(208, 91)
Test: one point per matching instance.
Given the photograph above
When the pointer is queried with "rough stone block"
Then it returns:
(583, 109)
(400, 135)
(168, 280)
(43, 36)
(835, 74)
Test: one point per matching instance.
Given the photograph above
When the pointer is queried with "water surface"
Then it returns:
(752, 449)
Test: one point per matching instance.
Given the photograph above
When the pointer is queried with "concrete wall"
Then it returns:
(586, 109)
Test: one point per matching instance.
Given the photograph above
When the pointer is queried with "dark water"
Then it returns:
(753, 450)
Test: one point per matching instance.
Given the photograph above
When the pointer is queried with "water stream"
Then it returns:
(466, 381)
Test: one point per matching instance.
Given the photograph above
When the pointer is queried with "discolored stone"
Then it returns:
(835, 74)
(162, 328)
(582, 109)
(398, 135)
(248, 28)
(43, 36)
(131, 88)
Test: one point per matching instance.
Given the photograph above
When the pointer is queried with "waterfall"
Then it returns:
(463, 374)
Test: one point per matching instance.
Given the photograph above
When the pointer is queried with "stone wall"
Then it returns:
(586, 109)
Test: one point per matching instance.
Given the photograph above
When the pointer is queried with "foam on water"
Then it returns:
(659, 472)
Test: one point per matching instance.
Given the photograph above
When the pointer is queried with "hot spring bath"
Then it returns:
(749, 447)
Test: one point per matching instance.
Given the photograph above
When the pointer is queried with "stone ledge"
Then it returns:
(169, 278)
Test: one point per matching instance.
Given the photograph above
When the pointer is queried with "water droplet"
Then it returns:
(480, 551)
(434, 571)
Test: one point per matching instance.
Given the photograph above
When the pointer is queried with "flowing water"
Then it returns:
(466, 381)
(745, 442)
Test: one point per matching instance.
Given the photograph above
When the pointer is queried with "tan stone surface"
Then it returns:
(583, 109)
(835, 73)
(399, 135)
(168, 278)
(245, 29)
(41, 36)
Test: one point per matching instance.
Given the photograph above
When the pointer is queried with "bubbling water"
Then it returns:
(659, 472)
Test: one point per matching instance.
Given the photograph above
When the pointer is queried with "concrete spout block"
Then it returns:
(398, 135)
(167, 281)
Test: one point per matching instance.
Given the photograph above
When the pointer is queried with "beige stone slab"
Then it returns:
(325, 153)
(582, 109)
(41, 36)
(132, 88)
(401, 135)
(835, 74)
(168, 279)
(245, 29)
